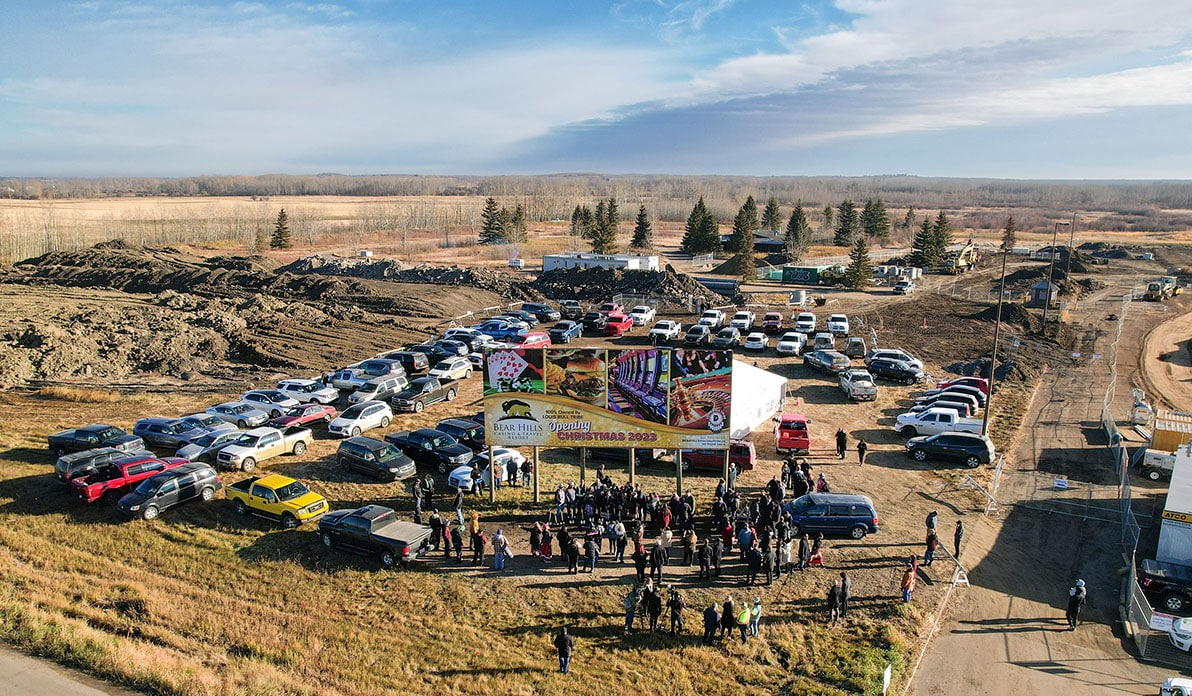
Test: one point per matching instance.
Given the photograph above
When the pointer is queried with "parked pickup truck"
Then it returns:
(565, 331)
(92, 436)
(259, 444)
(641, 315)
(935, 420)
(374, 530)
(424, 392)
(432, 448)
(276, 497)
(617, 325)
(571, 309)
(114, 480)
(858, 384)
(665, 331)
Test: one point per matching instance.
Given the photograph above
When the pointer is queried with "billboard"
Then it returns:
(593, 397)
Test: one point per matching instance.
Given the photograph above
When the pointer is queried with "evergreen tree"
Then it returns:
(1008, 237)
(643, 233)
(492, 227)
(742, 236)
(515, 231)
(772, 216)
(710, 233)
(829, 214)
(604, 236)
(923, 252)
(846, 224)
(908, 220)
(577, 221)
(750, 209)
(260, 240)
(701, 234)
(747, 266)
(600, 227)
(587, 222)
(859, 274)
(798, 234)
(610, 213)
(282, 238)
(875, 221)
(941, 235)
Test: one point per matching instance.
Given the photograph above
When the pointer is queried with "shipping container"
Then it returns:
(801, 275)
(1171, 430)
(1175, 531)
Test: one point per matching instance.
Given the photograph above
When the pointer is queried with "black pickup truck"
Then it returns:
(432, 448)
(374, 530)
(423, 392)
(1169, 583)
(92, 436)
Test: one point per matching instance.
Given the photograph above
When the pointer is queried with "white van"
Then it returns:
(379, 389)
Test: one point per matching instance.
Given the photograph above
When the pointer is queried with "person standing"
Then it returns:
(459, 505)
(841, 443)
(457, 541)
(933, 543)
(675, 604)
(1076, 597)
(717, 555)
(416, 492)
(591, 553)
(728, 617)
(653, 598)
(834, 602)
(621, 540)
(711, 623)
(565, 645)
(631, 601)
(931, 520)
(862, 448)
(784, 557)
(755, 616)
(639, 562)
(804, 551)
(957, 537)
(704, 554)
(479, 541)
(908, 583)
(769, 561)
(689, 540)
(657, 560)
(447, 539)
(436, 529)
(846, 593)
(500, 549)
(743, 623)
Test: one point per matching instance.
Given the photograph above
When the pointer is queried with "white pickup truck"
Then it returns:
(641, 315)
(935, 420)
(259, 444)
(666, 331)
(712, 318)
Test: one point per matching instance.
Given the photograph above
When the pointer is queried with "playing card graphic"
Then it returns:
(513, 370)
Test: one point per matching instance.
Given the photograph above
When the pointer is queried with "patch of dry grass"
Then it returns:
(79, 395)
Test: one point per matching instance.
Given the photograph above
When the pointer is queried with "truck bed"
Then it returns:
(403, 532)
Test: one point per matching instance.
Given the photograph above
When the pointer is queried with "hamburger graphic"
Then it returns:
(576, 374)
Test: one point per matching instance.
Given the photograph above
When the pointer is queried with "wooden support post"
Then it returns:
(537, 496)
(583, 465)
(678, 472)
(632, 464)
(492, 477)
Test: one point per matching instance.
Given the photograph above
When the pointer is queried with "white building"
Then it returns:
(583, 260)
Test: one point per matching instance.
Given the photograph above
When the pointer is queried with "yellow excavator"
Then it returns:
(961, 260)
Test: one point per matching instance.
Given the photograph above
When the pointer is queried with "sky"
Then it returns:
(1018, 89)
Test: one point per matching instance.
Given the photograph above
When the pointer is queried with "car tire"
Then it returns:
(796, 531)
(467, 374)
(388, 559)
(1174, 602)
(299, 448)
(356, 431)
(58, 452)
(909, 381)
(242, 424)
(327, 419)
(288, 521)
(275, 413)
(910, 431)
(240, 507)
(858, 532)
(451, 395)
(150, 512)
(418, 407)
(972, 461)
(248, 465)
(207, 493)
(442, 467)
(919, 455)
(327, 540)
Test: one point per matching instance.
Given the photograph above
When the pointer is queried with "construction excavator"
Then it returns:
(961, 260)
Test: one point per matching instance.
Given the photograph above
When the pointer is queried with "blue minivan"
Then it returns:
(834, 514)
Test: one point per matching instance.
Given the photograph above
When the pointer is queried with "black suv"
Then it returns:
(1170, 583)
(89, 461)
(973, 450)
(374, 458)
(895, 371)
(466, 432)
(169, 488)
(833, 514)
(413, 362)
(433, 353)
(543, 313)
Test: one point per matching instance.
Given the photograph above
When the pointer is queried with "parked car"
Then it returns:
(741, 454)
(823, 340)
(461, 477)
(594, 323)
(531, 339)
(833, 514)
(611, 308)
(239, 414)
(791, 434)
(432, 448)
(854, 347)
(903, 287)
(306, 414)
(571, 309)
(617, 325)
(838, 324)
(756, 342)
(728, 337)
(935, 420)
(964, 408)
(858, 384)
(379, 389)
(922, 404)
(463, 335)
(1180, 633)
(206, 448)
(114, 480)
(698, 335)
(517, 264)
(976, 382)
(465, 431)
(452, 368)
(384, 365)
(791, 343)
(477, 360)
(308, 390)
(712, 318)
(772, 322)
(805, 323)
(743, 320)
(375, 531)
(827, 361)
(92, 436)
(665, 331)
(542, 312)
(565, 331)
(955, 389)
(375, 458)
(271, 401)
(360, 417)
(453, 347)
(641, 315)
(348, 379)
(432, 352)
(1168, 584)
(257, 445)
(75, 464)
(972, 449)
(412, 362)
(893, 354)
(522, 315)
(276, 497)
(190, 481)
(208, 422)
(423, 392)
(166, 433)
(895, 371)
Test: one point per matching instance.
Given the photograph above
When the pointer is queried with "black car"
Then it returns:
(529, 318)
(432, 448)
(460, 348)
(413, 362)
(541, 312)
(466, 432)
(895, 371)
(434, 353)
(88, 462)
(191, 481)
(728, 337)
(92, 436)
(698, 335)
(833, 514)
(974, 392)
(374, 458)
(1169, 583)
(595, 321)
(973, 450)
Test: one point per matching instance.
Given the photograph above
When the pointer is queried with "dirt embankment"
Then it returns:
(593, 284)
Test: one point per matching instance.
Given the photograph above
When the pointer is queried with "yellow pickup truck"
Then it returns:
(276, 497)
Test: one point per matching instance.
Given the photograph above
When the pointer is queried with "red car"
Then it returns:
(305, 414)
(618, 325)
(975, 382)
(121, 476)
(791, 434)
(741, 453)
(532, 339)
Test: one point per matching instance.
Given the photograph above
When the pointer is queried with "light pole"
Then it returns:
(1051, 275)
(997, 332)
(1071, 241)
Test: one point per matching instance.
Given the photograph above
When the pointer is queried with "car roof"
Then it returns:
(460, 423)
(155, 420)
(370, 442)
(830, 498)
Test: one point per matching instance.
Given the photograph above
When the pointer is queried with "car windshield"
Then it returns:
(295, 412)
(207, 440)
(148, 487)
(387, 454)
(290, 491)
(246, 440)
(108, 433)
(240, 409)
(353, 411)
(442, 441)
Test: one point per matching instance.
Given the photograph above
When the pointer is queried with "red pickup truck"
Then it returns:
(618, 325)
(119, 477)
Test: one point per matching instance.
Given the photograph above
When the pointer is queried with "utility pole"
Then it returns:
(997, 331)
(1051, 274)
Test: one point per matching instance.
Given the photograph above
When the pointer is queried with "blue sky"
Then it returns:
(1077, 89)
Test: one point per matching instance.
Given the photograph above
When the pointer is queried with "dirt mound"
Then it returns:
(394, 270)
(593, 283)
(1009, 369)
(1012, 313)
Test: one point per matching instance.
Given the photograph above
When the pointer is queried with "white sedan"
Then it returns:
(452, 368)
(756, 341)
(461, 477)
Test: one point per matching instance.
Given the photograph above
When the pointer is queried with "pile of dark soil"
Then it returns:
(1012, 314)
(393, 270)
(1009, 369)
(594, 283)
